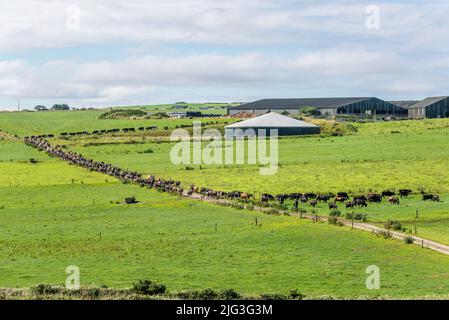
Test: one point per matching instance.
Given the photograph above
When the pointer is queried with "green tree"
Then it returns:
(40, 108)
(310, 112)
(60, 107)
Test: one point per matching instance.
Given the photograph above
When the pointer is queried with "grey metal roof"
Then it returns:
(319, 103)
(271, 120)
(428, 102)
(403, 104)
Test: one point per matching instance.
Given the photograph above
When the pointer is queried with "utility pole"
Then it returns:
(18, 105)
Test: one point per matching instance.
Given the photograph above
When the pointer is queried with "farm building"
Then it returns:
(327, 106)
(434, 107)
(286, 126)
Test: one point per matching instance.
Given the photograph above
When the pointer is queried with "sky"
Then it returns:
(101, 53)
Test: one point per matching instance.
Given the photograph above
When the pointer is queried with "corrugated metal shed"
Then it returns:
(319, 103)
(428, 101)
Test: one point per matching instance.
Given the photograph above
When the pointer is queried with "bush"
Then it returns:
(148, 287)
(45, 289)
(335, 213)
(273, 296)
(296, 295)
(393, 225)
(355, 216)
(334, 221)
(409, 240)
(230, 294)
(208, 294)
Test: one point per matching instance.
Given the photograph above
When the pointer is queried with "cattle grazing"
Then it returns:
(333, 205)
(350, 204)
(265, 197)
(343, 195)
(245, 196)
(323, 197)
(374, 198)
(282, 197)
(431, 197)
(404, 193)
(393, 200)
(341, 199)
(313, 203)
(388, 193)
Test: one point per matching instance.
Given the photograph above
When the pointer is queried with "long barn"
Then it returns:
(327, 106)
(434, 107)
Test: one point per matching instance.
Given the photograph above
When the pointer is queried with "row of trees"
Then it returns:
(56, 107)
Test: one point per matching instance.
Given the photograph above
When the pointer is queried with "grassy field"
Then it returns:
(389, 155)
(380, 156)
(53, 213)
(38, 123)
(49, 222)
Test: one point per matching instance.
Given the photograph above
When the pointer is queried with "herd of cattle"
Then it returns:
(114, 171)
(175, 187)
(81, 133)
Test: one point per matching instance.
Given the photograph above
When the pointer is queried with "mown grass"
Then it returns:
(48, 222)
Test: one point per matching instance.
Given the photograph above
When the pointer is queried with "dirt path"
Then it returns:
(422, 242)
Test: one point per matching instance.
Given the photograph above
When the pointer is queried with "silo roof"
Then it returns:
(271, 120)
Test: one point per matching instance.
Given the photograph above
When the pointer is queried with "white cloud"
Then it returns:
(297, 48)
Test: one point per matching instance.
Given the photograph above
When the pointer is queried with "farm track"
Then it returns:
(424, 243)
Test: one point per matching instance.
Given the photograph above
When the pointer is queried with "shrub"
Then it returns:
(208, 294)
(409, 240)
(43, 289)
(273, 296)
(393, 225)
(355, 216)
(296, 295)
(335, 213)
(334, 221)
(230, 294)
(148, 287)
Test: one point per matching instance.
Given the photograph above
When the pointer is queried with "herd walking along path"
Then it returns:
(424, 243)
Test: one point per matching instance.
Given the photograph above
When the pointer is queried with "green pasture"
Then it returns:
(56, 215)
(380, 156)
(38, 123)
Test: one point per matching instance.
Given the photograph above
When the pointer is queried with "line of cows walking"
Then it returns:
(81, 133)
(125, 176)
(174, 187)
